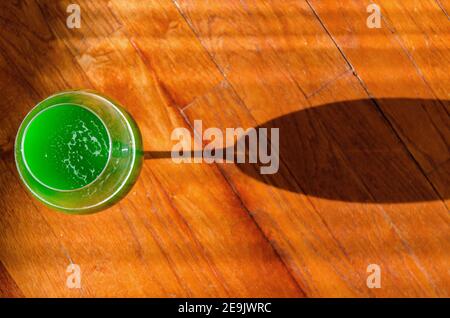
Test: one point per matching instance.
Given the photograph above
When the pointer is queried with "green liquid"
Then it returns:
(66, 147)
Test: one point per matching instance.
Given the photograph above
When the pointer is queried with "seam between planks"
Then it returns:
(275, 250)
(63, 249)
(388, 122)
(207, 258)
(244, 207)
(442, 8)
(408, 54)
(8, 287)
(376, 104)
(328, 83)
(243, 104)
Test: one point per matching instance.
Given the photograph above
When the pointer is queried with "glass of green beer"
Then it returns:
(78, 151)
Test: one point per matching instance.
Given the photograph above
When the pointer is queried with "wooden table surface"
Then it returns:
(364, 123)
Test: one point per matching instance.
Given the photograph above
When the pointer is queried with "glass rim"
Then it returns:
(23, 148)
(119, 188)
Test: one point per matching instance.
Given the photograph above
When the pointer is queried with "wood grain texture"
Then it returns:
(445, 6)
(245, 261)
(142, 248)
(364, 149)
(402, 52)
(166, 44)
(8, 287)
(267, 108)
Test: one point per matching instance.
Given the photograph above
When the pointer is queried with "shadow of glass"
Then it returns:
(347, 151)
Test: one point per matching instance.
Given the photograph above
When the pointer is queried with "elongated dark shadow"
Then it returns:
(148, 155)
(350, 151)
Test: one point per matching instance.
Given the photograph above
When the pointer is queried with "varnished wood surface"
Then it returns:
(364, 147)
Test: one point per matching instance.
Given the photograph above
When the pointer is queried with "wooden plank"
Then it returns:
(440, 180)
(96, 21)
(182, 67)
(231, 247)
(79, 235)
(261, 80)
(135, 257)
(8, 287)
(188, 230)
(266, 100)
(445, 6)
(287, 29)
(425, 36)
(285, 33)
(309, 242)
(35, 258)
(425, 33)
(84, 238)
(288, 220)
(400, 67)
(417, 215)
